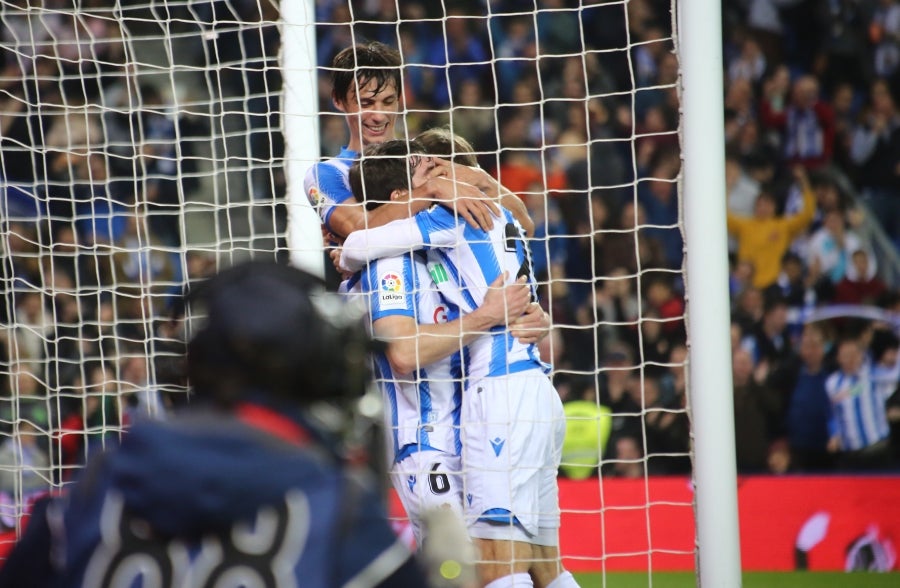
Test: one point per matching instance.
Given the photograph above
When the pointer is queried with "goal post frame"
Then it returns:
(698, 41)
(300, 119)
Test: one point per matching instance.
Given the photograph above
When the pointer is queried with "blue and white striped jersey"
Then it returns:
(463, 262)
(422, 409)
(858, 404)
(326, 183)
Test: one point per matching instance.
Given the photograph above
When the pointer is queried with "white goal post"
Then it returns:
(699, 36)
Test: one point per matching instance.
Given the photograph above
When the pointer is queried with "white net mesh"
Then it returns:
(142, 146)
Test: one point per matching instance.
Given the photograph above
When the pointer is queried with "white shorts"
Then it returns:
(428, 480)
(512, 431)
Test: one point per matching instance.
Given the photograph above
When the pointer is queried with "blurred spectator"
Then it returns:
(765, 237)
(458, 54)
(741, 190)
(32, 325)
(662, 299)
(876, 151)
(587, 249)
(884, 31)
(555, 23)
(470, 115)
(846, 106)
(859, 391)
(630, 244)
(140, 259)
(514, 50)
(24, 463)
(668, 430)
(830, 249)
(617, 391)
(619, 308)
(809, 409)
(792, 284)
(862, 285)
(91, 417)
(548, 243)
(609, 142)
(157, 159)
(740, 278)
(769, 341)
(758, 412)
(587, 431)
(806, 123)
(749, 65)
(626, 459)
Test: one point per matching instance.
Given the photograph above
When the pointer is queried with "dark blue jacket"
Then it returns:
(217, 501)
(808, 412)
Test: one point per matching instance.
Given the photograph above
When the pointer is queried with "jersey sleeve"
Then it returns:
(392, 239)
(326, 188)
(435, 227)
(390, 287)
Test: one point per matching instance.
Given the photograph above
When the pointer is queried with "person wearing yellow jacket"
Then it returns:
(765, 237)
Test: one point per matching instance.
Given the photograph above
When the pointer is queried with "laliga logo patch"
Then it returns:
(314, 195)
(391, 283)
(392, 294)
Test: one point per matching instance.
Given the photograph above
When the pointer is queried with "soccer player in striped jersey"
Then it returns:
(420, 374)
(512, 419)
(366, 90)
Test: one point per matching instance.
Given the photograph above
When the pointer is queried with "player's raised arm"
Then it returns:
(392, 239)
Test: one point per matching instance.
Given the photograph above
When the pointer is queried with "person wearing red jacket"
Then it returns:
(806, 123)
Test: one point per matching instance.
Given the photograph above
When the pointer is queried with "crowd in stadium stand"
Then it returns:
(813, 189)
(803, 102)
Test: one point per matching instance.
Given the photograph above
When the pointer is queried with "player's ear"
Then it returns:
(399, 195)
(339, 103)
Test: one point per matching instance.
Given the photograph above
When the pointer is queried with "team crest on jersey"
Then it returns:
(392, 294)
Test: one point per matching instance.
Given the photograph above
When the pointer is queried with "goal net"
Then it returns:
(142, 147)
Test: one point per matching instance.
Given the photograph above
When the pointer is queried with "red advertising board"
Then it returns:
(638, 525)
(643, 524)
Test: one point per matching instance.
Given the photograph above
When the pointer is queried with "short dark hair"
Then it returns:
(361, 64)
(383, 168)
(443, 143)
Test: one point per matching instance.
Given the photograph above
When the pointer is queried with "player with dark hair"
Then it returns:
(512, 422)
(250, 486)
(366, 89)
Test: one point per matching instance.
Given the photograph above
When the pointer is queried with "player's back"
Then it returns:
(464, 262)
